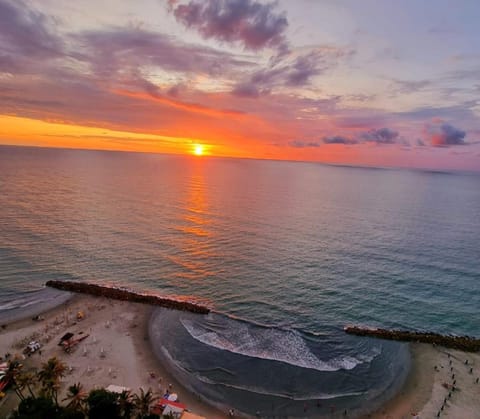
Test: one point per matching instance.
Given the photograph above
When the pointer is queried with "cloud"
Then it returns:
(152, 93)
(410, 86)
(444, 135)
(337, 139)
(175, 90)
(25, 38)
(248, 90)
(304, 144)
(291, 72)
(24, 31)
(138, 79)
(260, 82)
(114, 50)
(376, 136)
(8, 64)
(360, 97)
(380, 136)
(361, 119)
(303, 69)
(253, 24)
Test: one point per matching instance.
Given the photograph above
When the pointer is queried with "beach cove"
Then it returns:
(118, 351)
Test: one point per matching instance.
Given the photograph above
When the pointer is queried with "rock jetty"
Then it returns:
(126, 295)
(463, 343)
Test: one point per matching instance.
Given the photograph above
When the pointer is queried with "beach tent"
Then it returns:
(173, 397)
(190, 415)
(164, 407)
(112, 388)
(172, 410)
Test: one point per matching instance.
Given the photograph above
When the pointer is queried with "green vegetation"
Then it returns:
(38, 394)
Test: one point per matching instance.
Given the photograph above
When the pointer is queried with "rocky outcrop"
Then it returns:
(463, 343)
(126, 295)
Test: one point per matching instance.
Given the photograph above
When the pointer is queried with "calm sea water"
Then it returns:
(286, 253)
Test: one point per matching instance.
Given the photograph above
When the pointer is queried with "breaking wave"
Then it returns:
(234, 362)
(270, 343)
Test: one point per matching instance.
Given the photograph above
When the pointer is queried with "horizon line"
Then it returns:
(339, 165)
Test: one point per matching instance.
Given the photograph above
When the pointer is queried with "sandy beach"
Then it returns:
(117, 351)
(429, 386)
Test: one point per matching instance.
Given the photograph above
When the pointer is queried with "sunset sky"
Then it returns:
(371, 82)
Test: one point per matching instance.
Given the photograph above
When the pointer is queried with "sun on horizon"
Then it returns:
(198, 149)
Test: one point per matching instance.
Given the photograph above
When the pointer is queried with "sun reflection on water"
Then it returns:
(196, 229)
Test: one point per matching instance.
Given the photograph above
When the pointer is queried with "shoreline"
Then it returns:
(117, 350)
(429, 386)
(119, 331)
(34, 303)
(407, 400)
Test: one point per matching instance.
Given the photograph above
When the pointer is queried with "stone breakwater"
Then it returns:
(126, 295)
(463, 343)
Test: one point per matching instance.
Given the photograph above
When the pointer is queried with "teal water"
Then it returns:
(289, 246)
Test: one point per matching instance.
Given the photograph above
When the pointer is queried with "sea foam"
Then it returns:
(273, 344)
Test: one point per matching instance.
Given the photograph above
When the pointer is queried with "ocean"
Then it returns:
(285, 253)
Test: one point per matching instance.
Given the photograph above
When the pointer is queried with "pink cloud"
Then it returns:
(444, 135)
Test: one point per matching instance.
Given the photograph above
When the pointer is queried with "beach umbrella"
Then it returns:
(173, 397)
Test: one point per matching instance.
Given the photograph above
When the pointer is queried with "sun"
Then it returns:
(198, 149)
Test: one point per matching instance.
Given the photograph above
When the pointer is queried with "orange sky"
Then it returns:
(272, 84)
(31, 132)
